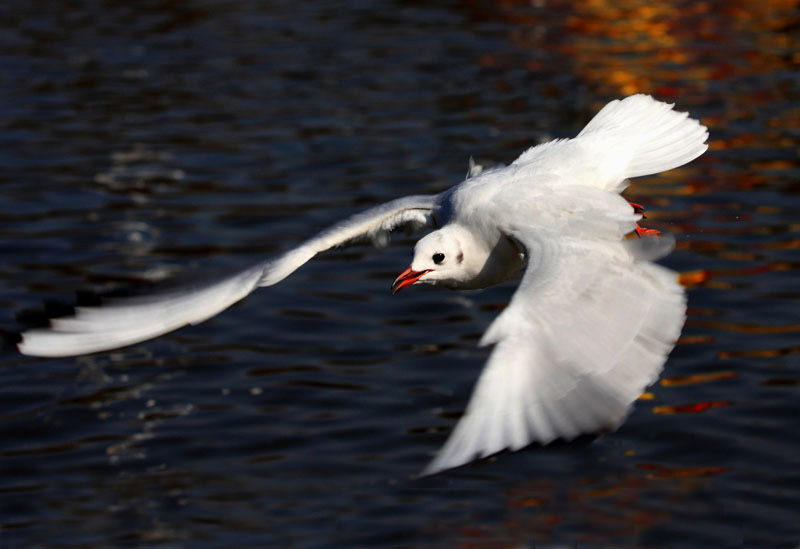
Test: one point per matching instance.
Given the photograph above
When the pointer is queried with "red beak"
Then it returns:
(407, 278)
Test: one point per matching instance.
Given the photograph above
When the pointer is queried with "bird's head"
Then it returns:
(439, 258)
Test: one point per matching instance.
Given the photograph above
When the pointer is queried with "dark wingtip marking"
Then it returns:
(40, 318)
(10, 339)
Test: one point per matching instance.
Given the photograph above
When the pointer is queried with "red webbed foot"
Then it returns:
(641, 231)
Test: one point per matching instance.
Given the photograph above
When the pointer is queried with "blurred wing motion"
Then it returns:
(126, 321)
(589, 327)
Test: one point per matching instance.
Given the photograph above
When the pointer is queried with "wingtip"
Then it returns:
(434, 468)
(41, 343)
(431, 469)
(444, 460)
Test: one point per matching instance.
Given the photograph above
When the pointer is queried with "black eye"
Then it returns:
(438, 258)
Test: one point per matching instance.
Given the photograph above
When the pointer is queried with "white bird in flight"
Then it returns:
(588, 328)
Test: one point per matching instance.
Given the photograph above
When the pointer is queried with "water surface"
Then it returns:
(140, 142)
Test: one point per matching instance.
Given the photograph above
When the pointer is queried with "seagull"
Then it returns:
(589, 326)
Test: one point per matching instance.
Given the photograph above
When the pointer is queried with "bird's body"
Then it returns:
(590, 325)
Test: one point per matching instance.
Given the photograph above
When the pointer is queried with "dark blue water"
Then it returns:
(141, 141)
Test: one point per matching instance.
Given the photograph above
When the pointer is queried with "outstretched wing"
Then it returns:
(121, 322)
(589, 327)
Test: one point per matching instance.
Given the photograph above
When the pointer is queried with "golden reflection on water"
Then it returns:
(759, 353)
(666, 48)
(697, 378)
(613, 506)
(747, 328)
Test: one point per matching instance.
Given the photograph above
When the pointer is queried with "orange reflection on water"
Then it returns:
(760, 353)
(744, 328)
(690, 408)
(781, 245)
(695, 278)
(695, 339)
(659, 471)
(697, 378)
(664, 47)
(611, 505)
(528, 502)
(604, 506)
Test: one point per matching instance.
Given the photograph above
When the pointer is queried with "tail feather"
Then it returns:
(641, 136)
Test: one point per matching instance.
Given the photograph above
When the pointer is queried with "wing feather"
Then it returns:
(121, 322)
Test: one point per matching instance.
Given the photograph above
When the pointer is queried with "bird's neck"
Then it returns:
(489, 259)
(502, 261)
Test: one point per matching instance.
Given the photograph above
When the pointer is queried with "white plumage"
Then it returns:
(590, 325)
